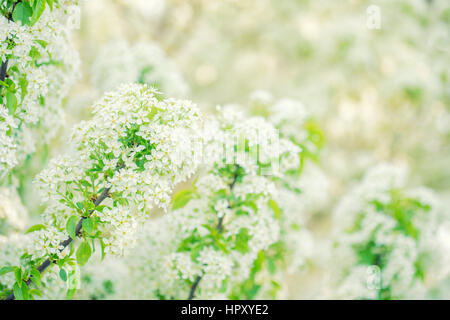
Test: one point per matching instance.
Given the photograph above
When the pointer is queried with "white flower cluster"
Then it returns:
(299, 196)
(386, 237)
(137, 147)
(144, 62)
(40, 65)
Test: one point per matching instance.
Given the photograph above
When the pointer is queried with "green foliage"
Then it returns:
(11, 102)
(275, 208)
(269, 260)
(63, 275)
(38, 9)
(71, 226)
(241, 241)
(182, 197)
(35, 277)
(88, 225)
(5, 270)
(83, 253)
(35, 228)
(23, 13)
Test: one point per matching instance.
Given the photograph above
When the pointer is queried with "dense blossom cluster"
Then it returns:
(39, 64)
(136, 146)
(386, 238)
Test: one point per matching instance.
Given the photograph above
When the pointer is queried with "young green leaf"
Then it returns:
(88, 225)
(5, 270)
(50, 4)
(35, 291)
(181, 198)
(63, 274)
(72, 226)
(36, 277)
(83, 253)
(276, 210)
(70, 294)
(17, 289)
(36, 228)
(102, 245)
(38, 9)
(22, 12)
(11, 102)
(25, 291)
(18, 274)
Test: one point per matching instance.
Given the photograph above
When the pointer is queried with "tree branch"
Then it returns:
(4, 67)
(3, 70)
(65, 243)
(69, 240)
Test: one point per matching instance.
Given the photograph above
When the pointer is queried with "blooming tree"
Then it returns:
(386, 237)
(257, 199)
(38, 66)
(128, 159)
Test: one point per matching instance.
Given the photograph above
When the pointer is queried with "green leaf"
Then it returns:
(83, 253)
(35, 291)
(72, 226)
(275, 208)
(102, 245)
(6, 270)
(36, 277)
(23, 83)
(50, 4)
(70, 294)
(181, 198)
(22, 12)
(11, 102)
(18, 274)
(271, 266)
(17, 289)
(43, 43)
(25, 291)
(63, 274)
(241, 241)
(88, 225)
(38, 9)
(36, 228)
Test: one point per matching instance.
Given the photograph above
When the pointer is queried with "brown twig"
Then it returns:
(69, 240)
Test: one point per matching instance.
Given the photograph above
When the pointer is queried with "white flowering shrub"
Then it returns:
(128, 159)
(38, 66)
(386, 237)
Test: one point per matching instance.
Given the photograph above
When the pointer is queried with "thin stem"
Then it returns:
(194, 287)
(219, 229)
(68, 241)
(3, 70)
(4, 67)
